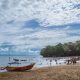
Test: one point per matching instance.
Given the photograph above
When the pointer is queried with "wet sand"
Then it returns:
(66, 72)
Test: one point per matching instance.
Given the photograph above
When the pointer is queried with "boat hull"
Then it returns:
(24, 68)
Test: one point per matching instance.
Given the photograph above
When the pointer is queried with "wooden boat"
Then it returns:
(28, 67)
(16, 59)
(23, 60)
(2, 68)
(14, 63)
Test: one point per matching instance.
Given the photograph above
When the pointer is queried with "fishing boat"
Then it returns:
(23, 68)
(23, 60)
(16, 59)
(14, 63)
(2, 68)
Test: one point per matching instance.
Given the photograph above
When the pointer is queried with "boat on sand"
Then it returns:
(22, 68)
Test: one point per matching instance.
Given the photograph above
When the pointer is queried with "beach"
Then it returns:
(65, 72)
(39, 61)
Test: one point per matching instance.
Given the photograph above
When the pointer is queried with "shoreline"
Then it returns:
(65, 72)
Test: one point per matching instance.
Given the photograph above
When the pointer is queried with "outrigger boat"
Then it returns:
(23, 68)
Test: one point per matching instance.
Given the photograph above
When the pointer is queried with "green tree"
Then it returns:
(66, 49)
(59, 50)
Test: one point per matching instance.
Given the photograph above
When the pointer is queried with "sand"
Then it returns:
(66, 72)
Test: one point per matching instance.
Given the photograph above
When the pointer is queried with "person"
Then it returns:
(74, 60)
(50, 62)
(68, 61)
(56, 61)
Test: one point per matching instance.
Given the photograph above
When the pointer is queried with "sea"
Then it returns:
(25, 60)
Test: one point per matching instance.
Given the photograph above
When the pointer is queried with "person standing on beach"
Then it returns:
(56, 61)
(50, 62)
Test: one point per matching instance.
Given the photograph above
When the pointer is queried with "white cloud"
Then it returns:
(39, 38)
(44, 37)
(47, 13)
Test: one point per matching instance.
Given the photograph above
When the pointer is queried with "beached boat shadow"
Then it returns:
(21, 71)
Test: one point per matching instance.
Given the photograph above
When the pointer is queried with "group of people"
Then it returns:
(73, 60)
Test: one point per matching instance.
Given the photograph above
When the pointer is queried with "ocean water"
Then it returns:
(38, 60)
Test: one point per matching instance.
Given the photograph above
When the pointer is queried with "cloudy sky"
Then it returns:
(29, 25)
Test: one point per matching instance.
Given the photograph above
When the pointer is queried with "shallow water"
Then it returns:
(40, 61)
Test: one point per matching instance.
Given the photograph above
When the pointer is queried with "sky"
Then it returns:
(26, 26)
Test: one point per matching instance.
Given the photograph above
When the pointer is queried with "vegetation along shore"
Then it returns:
(62, 50)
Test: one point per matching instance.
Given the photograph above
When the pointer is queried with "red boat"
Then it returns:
(28, 67)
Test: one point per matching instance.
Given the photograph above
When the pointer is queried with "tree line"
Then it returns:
(61, 50)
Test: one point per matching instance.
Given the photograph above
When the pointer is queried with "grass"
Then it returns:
(68, 72)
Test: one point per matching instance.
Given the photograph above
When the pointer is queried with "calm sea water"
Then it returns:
(40, 61)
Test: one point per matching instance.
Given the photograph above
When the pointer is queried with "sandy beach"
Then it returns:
(66, 72)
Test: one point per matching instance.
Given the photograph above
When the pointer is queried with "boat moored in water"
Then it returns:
(16, 59)
(14, 63)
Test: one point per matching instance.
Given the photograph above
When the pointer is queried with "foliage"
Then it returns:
(62, 50)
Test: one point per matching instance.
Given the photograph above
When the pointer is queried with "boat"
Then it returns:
(1, 68)
(23, 68)
(14, 63)
(23, 60)
(16, 59)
